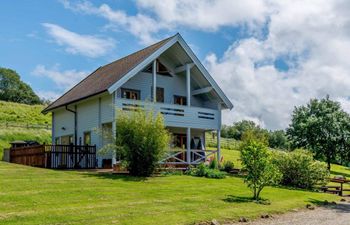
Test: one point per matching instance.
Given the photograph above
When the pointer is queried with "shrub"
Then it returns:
(299, 169)
(204, 171)
(256, 161)
(213, 164)
(141, 141)
(227, 166)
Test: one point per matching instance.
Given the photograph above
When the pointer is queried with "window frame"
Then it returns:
(85, 134)
(138, 92)
(180, 96)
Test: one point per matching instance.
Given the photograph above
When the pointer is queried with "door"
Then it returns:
(65, 140)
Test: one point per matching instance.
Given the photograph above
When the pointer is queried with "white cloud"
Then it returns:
(74, 43)
(64, 80)
(48, 95)
(168, 15)
(313, 37)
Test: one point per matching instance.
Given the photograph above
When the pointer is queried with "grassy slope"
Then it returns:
(21, 114)
(41, 196)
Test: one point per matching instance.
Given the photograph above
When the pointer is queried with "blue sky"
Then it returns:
(267, 55)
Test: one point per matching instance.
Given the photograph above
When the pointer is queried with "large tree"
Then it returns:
(321, 126)
(12, 89)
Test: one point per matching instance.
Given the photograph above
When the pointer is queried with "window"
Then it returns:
(107, 134)
(161, 69)
(159, 94)
(130, 94)
(67, 140)
(87, 138)
(180, 100)
(57, 141)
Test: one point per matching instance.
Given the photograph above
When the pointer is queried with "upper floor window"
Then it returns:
(159, 94)
(161, 69)
(180, 100)
(130, 94)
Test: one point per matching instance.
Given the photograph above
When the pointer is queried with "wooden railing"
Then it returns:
(175, 115)
(179, 156)
(55, 156)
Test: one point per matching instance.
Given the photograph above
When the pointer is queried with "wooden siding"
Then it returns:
(63, 119)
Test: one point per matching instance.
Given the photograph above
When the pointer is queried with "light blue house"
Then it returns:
(166, 77)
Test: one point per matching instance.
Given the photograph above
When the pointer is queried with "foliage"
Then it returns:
(213, 163)
(237, 130)
(299, 169)
(278, 139)
(203, 170)
(261, 172)
(258, 135)
(12, 89)
(225, 143)
(141, 140)
(228, 166)
(323, 127)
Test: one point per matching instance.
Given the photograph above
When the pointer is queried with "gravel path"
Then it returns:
(327, 215)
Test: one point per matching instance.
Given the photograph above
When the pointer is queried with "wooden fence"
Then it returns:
(55, 156)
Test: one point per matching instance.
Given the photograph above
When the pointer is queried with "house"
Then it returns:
(167, 77)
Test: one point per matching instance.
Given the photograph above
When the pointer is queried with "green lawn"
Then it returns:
(41, 196)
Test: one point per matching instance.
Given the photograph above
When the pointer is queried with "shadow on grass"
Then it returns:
(244, 199)
(110, 176)
(340, 173)
(341, 207)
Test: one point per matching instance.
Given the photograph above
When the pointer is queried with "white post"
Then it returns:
(53, 129)
(188, 150)
(154, 80)
(188, 84)
(114, 130)
(218, 144)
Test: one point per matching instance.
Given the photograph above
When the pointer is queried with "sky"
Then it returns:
(268, 56)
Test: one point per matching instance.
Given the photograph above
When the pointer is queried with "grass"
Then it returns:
(20, 115)
(41, 196)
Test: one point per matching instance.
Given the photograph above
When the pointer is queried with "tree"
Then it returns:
(261, 171)
(141, 141)
(14, 90)
(321, 126)
(278, 139)
(237, 130)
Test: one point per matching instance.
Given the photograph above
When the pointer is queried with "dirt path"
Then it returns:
(326, 215)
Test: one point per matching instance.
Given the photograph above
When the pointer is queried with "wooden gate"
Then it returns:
(55, 156)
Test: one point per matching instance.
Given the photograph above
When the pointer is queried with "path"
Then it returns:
(325, 215)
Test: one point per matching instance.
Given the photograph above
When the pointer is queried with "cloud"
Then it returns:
(48, 95)
(312, 38)
(74, 43)
(154, 17)
(64, 80)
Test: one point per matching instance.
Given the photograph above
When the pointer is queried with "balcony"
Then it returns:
(176, 115)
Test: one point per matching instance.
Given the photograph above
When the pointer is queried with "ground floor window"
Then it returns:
(107, 133)
(87, 138)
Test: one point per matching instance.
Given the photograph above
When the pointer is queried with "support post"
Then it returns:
(114, 128)
(188, 142)
(219, 146)
(154, 71)
(188, 84)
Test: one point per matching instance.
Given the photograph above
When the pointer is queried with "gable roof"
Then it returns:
(111, 76)
(104, 77)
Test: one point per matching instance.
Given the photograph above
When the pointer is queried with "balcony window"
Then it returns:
(130, 94)
(180, 100)
(87, 138)
(159, 94)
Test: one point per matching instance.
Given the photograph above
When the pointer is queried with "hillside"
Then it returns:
(23, 122)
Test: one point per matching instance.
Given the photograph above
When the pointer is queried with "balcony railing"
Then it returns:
(175, 115)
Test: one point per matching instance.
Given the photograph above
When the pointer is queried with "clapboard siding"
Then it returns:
(64, 123)
(107, 108)
(88, 120)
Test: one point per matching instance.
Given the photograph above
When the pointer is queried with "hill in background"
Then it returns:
(23, 122)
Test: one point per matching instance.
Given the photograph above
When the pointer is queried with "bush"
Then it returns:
(256, 161)
(141, 141)
(213, 164)
(204, 171)
(227, 166)
(299, 169)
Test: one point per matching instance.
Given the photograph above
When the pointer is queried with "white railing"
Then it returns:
(179, 156)
(176, 115)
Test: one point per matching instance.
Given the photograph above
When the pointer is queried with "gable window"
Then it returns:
(159, 94)
(130, 94)
(180, 100)
(87, 138)
(161, 69)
